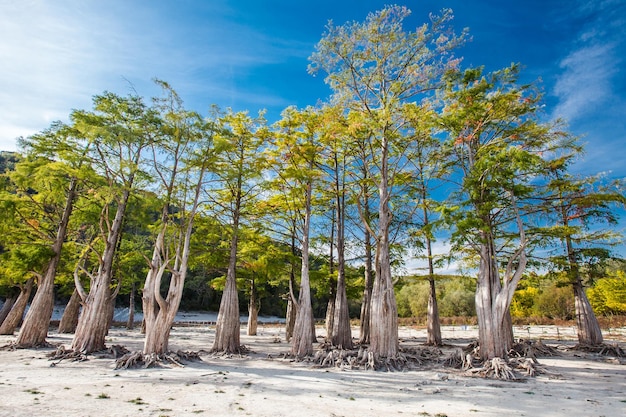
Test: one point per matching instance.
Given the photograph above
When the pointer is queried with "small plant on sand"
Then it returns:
(103, 396)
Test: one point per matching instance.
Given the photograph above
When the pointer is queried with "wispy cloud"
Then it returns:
(589, 68)
(56, 55)
(586, 80)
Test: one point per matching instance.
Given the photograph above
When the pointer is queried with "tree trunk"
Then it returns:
(589, 332)
(37, 321)
(433, 336)
(253, 310)
(366, 305)
(495, 333)
(93, 322)
(6, 307)
(290, 316)
(384, 314)
(332, 285)
(303, 334)
(130, 323)
(13, 319)
(341, 330)
(69, 320)
(227, 328)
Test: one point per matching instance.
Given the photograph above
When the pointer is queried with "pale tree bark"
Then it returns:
(6, 307)
(341, 336)
(69, 319)
(94, 320)
(384, 314)
(494, 295)
(37, 321)
(227, 328)
(589, 331)
(253, 310)
(332, 296)
(13, 319)
(366, 304)
(159, 312)
(290, 316)
(303, 334)
(433, 332)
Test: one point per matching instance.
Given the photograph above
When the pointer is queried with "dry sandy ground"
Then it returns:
(263, 384)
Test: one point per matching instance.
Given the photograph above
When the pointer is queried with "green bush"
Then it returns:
(555, 302)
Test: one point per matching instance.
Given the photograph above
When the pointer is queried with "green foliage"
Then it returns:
(608, 295)
(455, 297)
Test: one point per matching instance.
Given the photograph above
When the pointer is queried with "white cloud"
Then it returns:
(585, 82)
(56, 55)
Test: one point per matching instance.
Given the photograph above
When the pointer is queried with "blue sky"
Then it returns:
(244, 54)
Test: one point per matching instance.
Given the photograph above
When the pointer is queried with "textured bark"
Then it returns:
(159, 313)
(93, 323)
(6, 307)
(341, 336)
(493, 299)
(69, 320)
(366, 304)
(332, 284)
(342, 332)
(589, 332)
(303, 334)
(290, 316)
(228, 326)
(253, 310)
(433, 334)
(13, 319)
(37, 321)
(384, 314)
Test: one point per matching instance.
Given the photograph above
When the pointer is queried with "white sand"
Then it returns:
(255, 385)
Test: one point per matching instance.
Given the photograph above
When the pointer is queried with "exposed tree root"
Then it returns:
(14, 346)
(531, 349)
(522, 362)
(602, 349)
(240, 352)
(61, 354)
(139, 360)
(362, 358)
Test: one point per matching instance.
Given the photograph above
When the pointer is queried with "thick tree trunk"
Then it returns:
(589, 332)
(253, 310)
(384, 314)
(342, 333)
(14, 318)
(93, 323)
(303, 334)
(69, 320)
(495, 333)
(6, 308)
(228, 326)
(37, 321)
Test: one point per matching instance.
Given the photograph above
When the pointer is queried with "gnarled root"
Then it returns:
(531, 349)
(602, 349)
(138, 359)
(61, 354)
